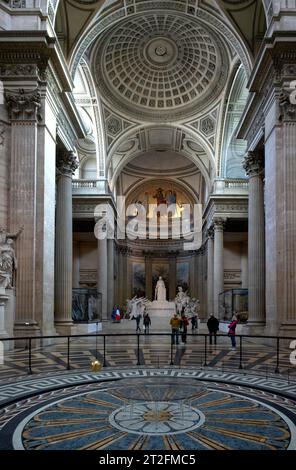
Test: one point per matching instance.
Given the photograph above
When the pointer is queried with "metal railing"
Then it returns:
(242, 339)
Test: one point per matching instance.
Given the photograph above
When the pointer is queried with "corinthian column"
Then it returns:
(210, 271)
(110, 256)
(218, 262)
(102, 276)
(23, 110)
(148, 276)
(66, 166)
(253, 165)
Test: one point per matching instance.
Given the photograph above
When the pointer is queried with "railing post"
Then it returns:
(30, 357)
(104, 353)
(240, 352)
(206, 351)
(138, 349)
(68, 353)
(277, 368)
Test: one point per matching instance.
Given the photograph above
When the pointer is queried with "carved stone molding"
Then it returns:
(253, 164)
(210, 232)
(23, 105)
(67, 163)
(219, 225)
(18, 70)
(287, 108)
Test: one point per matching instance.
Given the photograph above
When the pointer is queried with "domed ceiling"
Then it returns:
(160, 66)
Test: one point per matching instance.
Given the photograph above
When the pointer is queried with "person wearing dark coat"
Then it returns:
(213, 327)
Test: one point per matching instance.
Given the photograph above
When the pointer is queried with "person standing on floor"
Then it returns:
(138, 319)
(175, 324)
(231, 332)
(185, 323)
(146, 323)
(213, 327)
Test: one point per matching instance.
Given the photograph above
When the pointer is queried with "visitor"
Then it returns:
(185, 323)
(175, 325)
(146, 323)
(213, 327)
(113, 315)
(231, 332)
(194, 322)
(138, 319)
(118, 314)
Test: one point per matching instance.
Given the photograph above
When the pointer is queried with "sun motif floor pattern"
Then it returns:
(95, 416)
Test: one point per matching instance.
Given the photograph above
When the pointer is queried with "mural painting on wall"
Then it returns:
(183, 276)
(160, 269)
(139, 279)
(161, 194)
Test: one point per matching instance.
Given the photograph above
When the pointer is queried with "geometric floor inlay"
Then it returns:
(102, 419)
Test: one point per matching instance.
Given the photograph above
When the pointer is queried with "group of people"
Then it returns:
(146, 322)
(179, 324)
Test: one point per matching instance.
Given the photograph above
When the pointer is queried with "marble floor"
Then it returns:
(148, 409)
(258, 355)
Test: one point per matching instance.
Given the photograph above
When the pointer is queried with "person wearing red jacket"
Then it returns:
(231, 331)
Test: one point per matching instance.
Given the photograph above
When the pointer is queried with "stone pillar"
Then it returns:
(102, 276)
(244, 266)
(256, 240)
(23, 109)
(218, 262)
(288, 195)
(210, 271)
(110, 276)
(76, 265)
(172, 276)
(148, 276)
(66, 166)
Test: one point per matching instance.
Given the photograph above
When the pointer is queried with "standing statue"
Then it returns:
(181, 300)
(160, 290)
(8, 263)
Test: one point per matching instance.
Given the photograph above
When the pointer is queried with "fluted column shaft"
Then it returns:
(148, 277)
(23, 107)
(256, 240)
(66, 165)
(172, 277)
(218, 263)
(210, 272)
(110, 280)
(102, 275)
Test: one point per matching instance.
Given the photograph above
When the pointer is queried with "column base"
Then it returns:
(26, 328)
(287, 329)
(65, 328)
(254, 328)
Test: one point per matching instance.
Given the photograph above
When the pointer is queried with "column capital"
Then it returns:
(67, 163)
(219, 224)
(210, 232)
(23, 105)
(287, 105)
(253, 164)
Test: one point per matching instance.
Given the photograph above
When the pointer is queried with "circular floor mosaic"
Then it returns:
(100, 418)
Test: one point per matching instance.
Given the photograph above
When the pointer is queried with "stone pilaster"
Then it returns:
(148, 276)
(24, 112)
(218, 262)
(210, 271)
(102, 276)
(66, 166)
(172, 276)
(110, 276)
(253, 165)
(76, 265)
(288, 165)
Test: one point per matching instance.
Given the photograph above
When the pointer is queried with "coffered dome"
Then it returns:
(160, 66)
